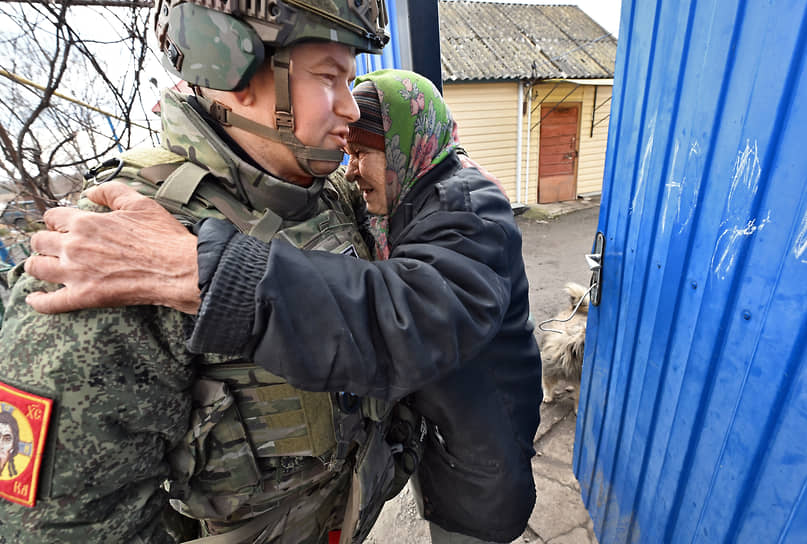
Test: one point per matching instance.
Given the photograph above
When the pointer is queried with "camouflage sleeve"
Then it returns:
(353, 204)
(119, 383)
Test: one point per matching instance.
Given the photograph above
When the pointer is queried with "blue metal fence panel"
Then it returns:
(693, 410)
(390, 56)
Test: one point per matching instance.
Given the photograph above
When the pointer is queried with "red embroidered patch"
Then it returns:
(23, 427)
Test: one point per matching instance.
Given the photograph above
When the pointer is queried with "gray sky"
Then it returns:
(605, 12)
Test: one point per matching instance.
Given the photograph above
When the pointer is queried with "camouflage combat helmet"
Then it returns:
(219, 44)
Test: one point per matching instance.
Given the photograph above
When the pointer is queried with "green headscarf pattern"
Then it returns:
(419, 132)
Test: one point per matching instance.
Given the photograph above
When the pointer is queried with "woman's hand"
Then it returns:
(135, 254)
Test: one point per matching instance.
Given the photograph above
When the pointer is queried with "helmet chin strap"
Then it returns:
(284, 120)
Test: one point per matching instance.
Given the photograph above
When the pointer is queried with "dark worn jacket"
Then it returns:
(444, 319)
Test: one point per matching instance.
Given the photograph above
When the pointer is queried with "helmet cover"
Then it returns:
(218, 44)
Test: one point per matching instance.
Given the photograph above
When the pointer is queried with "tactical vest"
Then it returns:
(254, 440)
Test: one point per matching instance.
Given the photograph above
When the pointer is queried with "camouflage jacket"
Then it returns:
(134, 411)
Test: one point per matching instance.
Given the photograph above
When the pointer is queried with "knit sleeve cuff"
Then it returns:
(226, 317)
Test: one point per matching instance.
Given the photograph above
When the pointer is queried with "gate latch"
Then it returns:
(594, 261)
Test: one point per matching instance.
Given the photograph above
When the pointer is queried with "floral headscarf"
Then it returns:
(419, 132)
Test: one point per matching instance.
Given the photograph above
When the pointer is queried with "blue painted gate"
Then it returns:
(693, 409)
(390, 56)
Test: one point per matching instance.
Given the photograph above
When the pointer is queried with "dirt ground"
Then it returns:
(554, 251)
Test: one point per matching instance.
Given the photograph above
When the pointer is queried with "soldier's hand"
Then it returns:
(136, 254)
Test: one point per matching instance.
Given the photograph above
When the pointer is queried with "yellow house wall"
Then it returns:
(591, 162)
(487, 117)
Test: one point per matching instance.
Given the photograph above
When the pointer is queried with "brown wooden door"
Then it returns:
(557, 159)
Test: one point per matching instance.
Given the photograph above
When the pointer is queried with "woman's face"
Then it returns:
(367, 167)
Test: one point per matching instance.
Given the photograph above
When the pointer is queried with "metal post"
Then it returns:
(424, 40)
(114, 134)
(520, 121)
(4, 255)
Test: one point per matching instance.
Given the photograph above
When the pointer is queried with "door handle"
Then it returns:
(595, 262)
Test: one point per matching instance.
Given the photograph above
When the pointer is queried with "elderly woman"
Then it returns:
(454, 326)
(440, 317)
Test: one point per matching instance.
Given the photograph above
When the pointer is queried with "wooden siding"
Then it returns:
(591, 165)
(487, 117)
(591, 146)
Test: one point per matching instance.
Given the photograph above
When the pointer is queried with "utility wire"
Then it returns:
(21, 80)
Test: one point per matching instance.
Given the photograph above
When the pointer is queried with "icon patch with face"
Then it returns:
(24, 421)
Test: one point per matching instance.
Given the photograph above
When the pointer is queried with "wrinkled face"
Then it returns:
(6, 443)
(320, 75)
(367, 167)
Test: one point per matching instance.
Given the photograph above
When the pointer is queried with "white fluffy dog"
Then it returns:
(562, 345)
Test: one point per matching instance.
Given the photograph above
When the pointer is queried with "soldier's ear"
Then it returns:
(259, 89)
(244, 97)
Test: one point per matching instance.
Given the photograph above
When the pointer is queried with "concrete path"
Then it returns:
(559, 516)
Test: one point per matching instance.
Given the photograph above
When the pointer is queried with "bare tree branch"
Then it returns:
(45, 133)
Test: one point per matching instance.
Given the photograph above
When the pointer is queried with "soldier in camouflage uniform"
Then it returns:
(135, 420)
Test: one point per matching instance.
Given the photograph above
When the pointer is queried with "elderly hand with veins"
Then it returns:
(135, 254)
